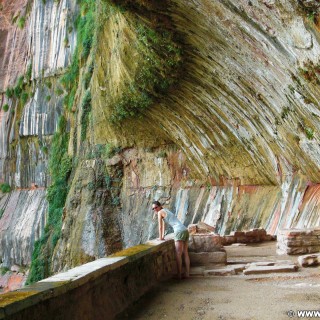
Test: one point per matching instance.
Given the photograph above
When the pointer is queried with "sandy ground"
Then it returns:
(267, 296)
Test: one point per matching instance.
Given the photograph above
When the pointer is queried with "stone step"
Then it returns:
(220, 272)
(197, 271)
(297, 250)
(225, 271)
(270, 269)
(206, 258)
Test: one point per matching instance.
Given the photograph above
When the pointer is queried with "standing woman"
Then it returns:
(181, 235)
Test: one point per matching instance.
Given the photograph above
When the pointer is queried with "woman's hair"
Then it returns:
(157, 203)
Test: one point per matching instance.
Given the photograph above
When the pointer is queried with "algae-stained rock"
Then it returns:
(90, 226)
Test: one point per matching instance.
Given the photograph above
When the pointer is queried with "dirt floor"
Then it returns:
(267, 296)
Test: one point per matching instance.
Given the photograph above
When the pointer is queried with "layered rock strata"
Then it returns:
(22, 222)
(33, 40)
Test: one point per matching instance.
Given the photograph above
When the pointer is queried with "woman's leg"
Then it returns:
(179, 250)
(186, 258)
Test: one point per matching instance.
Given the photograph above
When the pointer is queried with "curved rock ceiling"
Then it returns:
(235, 142)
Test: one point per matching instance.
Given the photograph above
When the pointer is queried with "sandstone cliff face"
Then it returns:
(27, 126)
(234, 142)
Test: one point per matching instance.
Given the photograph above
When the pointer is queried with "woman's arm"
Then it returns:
(161, 226)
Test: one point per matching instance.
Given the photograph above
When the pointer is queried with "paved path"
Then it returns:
(269, 296)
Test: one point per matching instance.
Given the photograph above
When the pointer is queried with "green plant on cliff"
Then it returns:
(59, 91)
(21, 22)
(44, 149)
(48, 84)
(66, 42)
(311, 16)
(86, 109)
(60, 163)
(309, 133)
(5, 187)
(285, 113)
(85, 29)
(70, 77)
(88, 75)
(29, 73)
(111, 150)
(4, 270)
(162, 154)
(60, 166)
(5, 107)
(9, 92)
(311, 72)
(24, 98)
(158, 69)
(18, 87)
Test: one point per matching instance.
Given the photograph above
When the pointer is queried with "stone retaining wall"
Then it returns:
(251, 236)
(97, 290)
(298, 241)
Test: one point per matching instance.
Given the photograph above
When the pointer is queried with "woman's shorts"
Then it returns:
(181, 235)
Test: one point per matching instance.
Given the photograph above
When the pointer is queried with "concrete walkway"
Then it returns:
(265, 296)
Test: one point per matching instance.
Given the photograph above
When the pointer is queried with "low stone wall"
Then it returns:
(206, 247)
(298, 241)
(251, 236)
(97, 290)
(213, 242)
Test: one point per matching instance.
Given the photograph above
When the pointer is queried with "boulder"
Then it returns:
(200, 227)
(309, 260)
